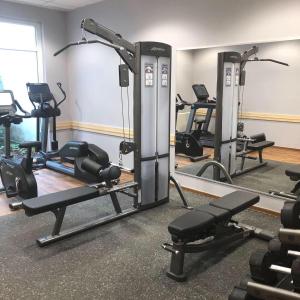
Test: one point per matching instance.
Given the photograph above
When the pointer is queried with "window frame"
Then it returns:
(38, 37)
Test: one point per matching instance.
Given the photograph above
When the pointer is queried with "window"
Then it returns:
(20, 62)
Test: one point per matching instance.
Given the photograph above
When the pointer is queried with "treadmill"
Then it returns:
(201, 132)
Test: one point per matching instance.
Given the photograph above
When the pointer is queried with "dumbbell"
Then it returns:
(290, 237)
(263, 268)
(281, 250)
(257, 291)
(290, 214)
(239, 293)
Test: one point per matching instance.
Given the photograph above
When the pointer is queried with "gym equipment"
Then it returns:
(264, 269)
(16, 173)
(231, 76)
(290, 237)
(212, 226)
(73, 152)
(290, 213)
(191, 141)
(279, 266)
(186, 142)
(150, 63)
(294, 174)
(201, 132)
(257, 291)
(58, 202)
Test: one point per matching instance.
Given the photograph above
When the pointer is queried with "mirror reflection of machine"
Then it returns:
(196, 135)
(232, 150)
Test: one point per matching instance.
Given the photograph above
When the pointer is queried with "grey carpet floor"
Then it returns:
(270, 177)
(121, 260)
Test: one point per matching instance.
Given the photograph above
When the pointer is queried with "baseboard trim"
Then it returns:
(287, 118)
(214, 197)
(100, 129)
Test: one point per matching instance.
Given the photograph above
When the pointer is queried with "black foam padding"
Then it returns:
(236, 202)
(220, 214)
(197, 222)
(191, 224)
(260, 145)
(57, 200)
(293, 172)
(34, 144)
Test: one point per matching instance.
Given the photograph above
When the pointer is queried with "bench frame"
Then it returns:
(225, 233)
(59, 214)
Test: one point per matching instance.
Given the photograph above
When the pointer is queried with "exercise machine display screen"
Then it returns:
(5, 99)
(200, 92)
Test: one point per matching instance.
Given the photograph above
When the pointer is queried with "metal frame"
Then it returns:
(132, 54)
(223, 234)
(231, 75)
(59, 214)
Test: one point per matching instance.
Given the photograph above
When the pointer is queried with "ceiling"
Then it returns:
(57, 4)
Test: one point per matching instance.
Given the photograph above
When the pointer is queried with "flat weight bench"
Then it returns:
(58, 203)
(212, 225)
(258, 145)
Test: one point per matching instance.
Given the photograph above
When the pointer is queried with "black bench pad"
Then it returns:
(236, 202)
(219, 214)
(259, 146)
(193, 221)
(206, 217)
(293, 172)
(57, 200)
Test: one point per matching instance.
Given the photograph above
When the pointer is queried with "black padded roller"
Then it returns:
(107, 174)
(91, 166)
(260, 137)
(110, 173)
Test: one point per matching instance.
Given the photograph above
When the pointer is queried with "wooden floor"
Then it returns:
(286, 155)
(50, 182)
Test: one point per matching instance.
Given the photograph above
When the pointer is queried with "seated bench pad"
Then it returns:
(57, 200)
(207, 216)
(260, 145)
(236, 202)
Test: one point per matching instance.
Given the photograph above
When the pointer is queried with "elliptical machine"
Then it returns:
(16, 172)
(74, 152)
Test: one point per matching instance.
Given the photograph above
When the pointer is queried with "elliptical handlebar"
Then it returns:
(183, 101)
(64, 95)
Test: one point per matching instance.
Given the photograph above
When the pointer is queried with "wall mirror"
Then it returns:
(258, 131)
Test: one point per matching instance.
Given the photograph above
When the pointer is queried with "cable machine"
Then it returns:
(231, 77)
(150, 62)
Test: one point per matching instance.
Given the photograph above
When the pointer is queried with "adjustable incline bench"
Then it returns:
(211, 224)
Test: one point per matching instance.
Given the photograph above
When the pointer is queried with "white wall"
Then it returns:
(183, 24)
(270, 88)
(54, 36)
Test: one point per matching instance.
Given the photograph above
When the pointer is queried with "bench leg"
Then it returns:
(260, 154)
(177, 263)
(59, 214)
(115, 203)
(296, 188)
